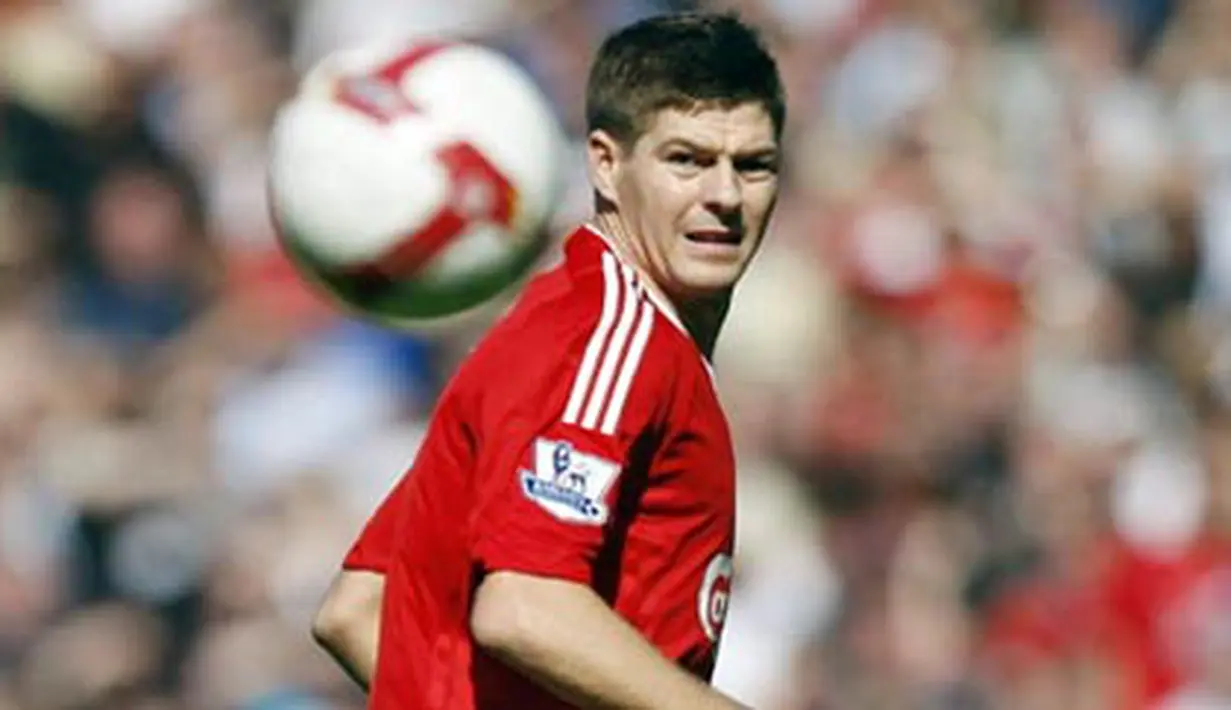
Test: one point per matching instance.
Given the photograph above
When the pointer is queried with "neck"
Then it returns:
(703, 320)
(702, 317)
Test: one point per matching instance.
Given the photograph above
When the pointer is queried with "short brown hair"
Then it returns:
(679, 61)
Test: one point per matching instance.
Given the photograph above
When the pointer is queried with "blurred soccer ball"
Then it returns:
(415, 183)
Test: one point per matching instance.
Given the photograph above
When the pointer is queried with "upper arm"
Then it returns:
(354, 599)
(348, 622)
(555, 451)
(503, 604)
(509, 607)
(547, 510)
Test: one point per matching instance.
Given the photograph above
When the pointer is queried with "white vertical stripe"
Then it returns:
(611, 355)
(628, 369)
(664, 306)
(581, 383)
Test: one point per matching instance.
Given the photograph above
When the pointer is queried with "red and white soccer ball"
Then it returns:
(415, 182)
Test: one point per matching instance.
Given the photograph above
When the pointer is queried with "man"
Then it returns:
(564, 537)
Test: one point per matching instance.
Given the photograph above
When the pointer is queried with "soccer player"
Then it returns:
(564, 536)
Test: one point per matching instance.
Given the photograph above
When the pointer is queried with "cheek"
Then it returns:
(759, 201)
(664, 200)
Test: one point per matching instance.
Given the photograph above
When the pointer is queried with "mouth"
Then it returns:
(725, 237)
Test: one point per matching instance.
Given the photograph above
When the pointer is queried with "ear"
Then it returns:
(604, 158)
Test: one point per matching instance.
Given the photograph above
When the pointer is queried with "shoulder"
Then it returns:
(584, 346)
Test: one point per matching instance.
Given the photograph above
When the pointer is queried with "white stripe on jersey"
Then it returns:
(611, 298)
(613, 352)
(625, 380)
(610, 361)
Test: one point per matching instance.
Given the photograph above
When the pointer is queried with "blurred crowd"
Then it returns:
(979, 377)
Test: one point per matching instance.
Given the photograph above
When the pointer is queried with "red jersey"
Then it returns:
(582, 440)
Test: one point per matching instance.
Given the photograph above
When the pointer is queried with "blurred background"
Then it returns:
(980, 376)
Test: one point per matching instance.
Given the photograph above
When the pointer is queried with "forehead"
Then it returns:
(739, 128)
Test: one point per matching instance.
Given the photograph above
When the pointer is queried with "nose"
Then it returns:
(722, 191)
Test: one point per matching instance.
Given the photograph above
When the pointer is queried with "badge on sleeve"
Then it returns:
(569, 484)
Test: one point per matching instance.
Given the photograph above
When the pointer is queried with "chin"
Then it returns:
(707, 282)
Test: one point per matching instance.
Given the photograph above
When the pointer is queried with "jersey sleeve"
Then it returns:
(556, 451)
(372, 551)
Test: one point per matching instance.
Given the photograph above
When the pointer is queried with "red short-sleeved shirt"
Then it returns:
(581, 440)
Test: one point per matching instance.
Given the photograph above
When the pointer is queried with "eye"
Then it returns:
(759, 167)
(683, 158)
